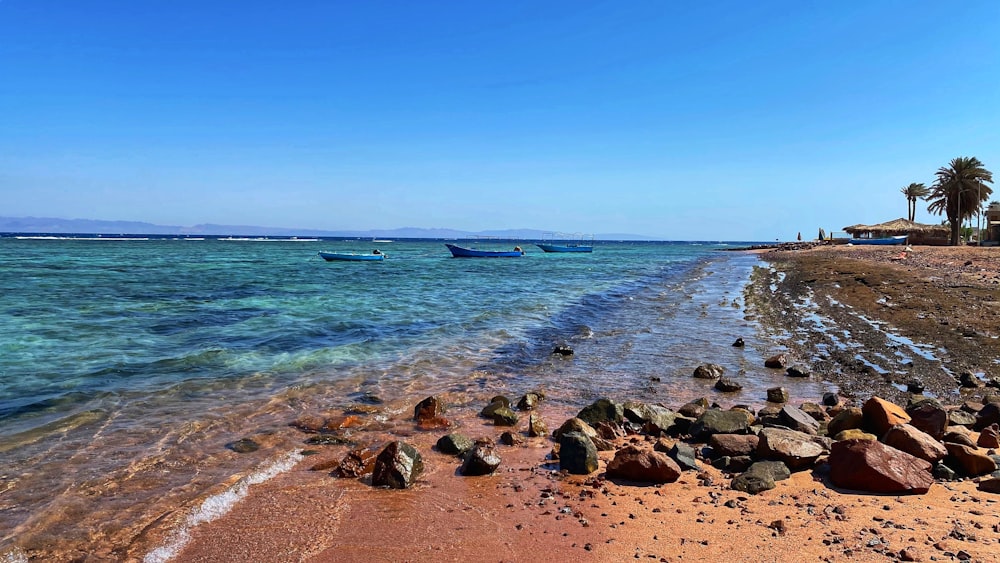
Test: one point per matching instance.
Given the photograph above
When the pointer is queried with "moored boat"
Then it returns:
(572, 247)
(462, 252)
(901, 239)
(351, 257)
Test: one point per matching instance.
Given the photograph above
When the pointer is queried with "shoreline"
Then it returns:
(528, 506)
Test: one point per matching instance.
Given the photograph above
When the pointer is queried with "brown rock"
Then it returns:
(357, 463)
(429, 408)
(881, 415)
(854, 434)
(929, 416)
(906, 438)
(642, 465)
(397, 466)
(309, 423)
(865, 465)
(734, 444)
(777, 361)
(970, 461)
(958, 435)
(989, 437)
(536, 426)
(848, 418)
(796, 449)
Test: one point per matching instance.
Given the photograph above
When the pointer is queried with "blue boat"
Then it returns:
(462, 252)
(901, 239)
(549, 247)
(351, 257)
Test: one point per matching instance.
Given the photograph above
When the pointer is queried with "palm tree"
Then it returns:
(959, 191)
(913, 192)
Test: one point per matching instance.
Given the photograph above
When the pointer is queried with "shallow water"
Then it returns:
(126, 366)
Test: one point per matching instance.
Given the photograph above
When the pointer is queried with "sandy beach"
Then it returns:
(944, 299)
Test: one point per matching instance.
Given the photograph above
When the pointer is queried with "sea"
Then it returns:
(129, 365)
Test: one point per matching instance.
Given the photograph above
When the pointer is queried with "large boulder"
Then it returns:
(577, 453)
(865, 465)
(397, 466)
(643, 465)
(716, 421)
(906, 438)
(881, 415)
(601, 410)
(797, 450)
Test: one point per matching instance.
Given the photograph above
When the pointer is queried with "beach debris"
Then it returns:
(866, 465)
(739, 342)
(777, 361)
(482, 459)
(777, 395)
(455, 443)
(601, 410)
(643, 465)
(577, 453)
(536, 426)
(398, 466)
(709, 371)
(243, 446)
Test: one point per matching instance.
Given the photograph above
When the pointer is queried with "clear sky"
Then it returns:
(677, 120)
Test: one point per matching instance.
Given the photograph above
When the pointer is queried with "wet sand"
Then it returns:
(932, 302)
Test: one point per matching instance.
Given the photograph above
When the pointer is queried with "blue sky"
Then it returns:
(676, 120)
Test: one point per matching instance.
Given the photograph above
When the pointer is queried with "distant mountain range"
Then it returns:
(50, 225)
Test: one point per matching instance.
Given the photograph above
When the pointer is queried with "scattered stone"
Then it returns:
(989, 414)
(817, 412)
(653, 419)
(709, 371)
(727, 385)
(528, 402)
(497, 403)
(715, 421)
(777, 361)
(854, 434)
(329, 440)
(797, 419)
(429, 409)
(797, 371)
(504, 416)
(958, 435)
(309, 423)
(831, 399)
(482, 459)
(846, 419)
(536, 426)
(959, 417)
(870, 466)
(398, 466)
(509, 438)
(968, 380)
(643, 465)
(684, 456)
(734, 444)
(563, 351)
(991, 485)
(577, 453)
(944, 473)
(777, 395)
(694, 409)
(357, 463)
(454, 444)
(761, 476)
(243, 446)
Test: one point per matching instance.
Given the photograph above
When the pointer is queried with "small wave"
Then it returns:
(217, 506)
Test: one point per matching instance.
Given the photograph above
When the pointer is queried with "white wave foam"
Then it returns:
(217, 506)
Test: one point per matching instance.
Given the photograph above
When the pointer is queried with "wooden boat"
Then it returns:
(351, 257)
(572, 247)
(462, 252)
(901, 239)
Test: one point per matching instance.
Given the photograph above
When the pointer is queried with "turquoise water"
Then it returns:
(127, 365)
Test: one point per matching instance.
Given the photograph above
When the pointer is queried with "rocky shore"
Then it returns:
(899, 464)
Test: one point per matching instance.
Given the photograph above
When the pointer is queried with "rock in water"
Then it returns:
(536, 426)
(777, 361)
(865, 465)
(398, 466)
(777, 395)
(738, 343)
(709, 371)
(243, 446)
(645, 466)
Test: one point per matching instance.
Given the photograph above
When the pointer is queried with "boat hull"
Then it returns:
(348, 257)
(565, 247)
(462, 252)
(879, 241)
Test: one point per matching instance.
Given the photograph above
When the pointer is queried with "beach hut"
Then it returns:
(917, 233)
(991, 234)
